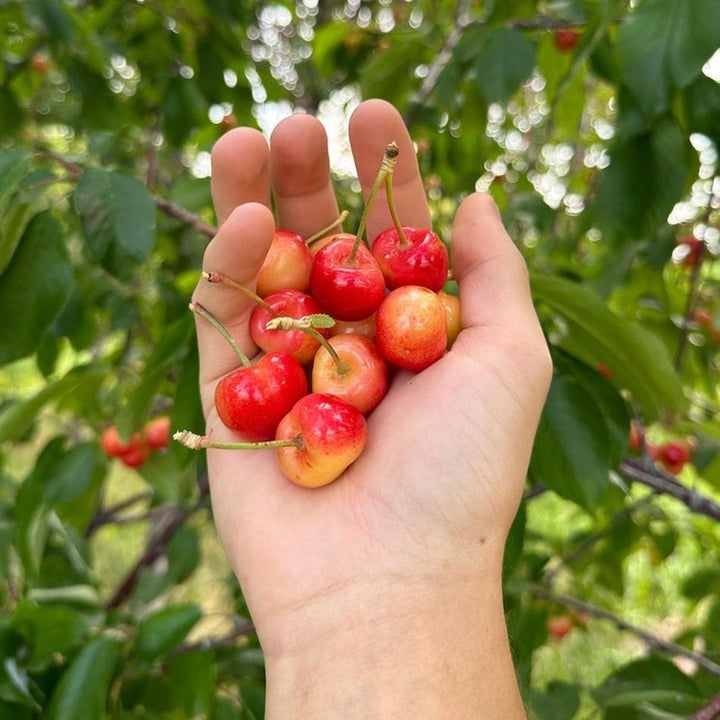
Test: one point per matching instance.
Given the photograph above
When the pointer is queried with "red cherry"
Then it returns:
(565, 39)
(157, 432)
(364, 384)
(136, 456)
(345, 288)
(40, 63)
(673, 455)
(703, 317)
(411, 328)
(691, 250)
(333, 434)
(286, 266)
(114, 447)
(365, 327)
(559, 626)
(252, 400)
(287, 303)
(636, 439)
(421, 258)
(605, 371)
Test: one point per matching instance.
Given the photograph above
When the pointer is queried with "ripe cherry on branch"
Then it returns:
(565, 39)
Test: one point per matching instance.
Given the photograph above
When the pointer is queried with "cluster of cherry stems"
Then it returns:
(353, 313)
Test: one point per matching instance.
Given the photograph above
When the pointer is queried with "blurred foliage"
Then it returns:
(603, 156)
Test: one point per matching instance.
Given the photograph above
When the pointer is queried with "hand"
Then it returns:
(415, 529)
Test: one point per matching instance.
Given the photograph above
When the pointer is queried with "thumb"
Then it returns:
(490, 270)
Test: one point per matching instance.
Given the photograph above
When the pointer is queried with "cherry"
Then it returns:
(332, 435)
(604, 370)
(411, 328)
(136, 456)
(157, 432)
(565, 39)
(451, 303)
(703, 317)
(406, 255)
(362, 381)
(637, 437)
(288, 303)
(346, 280)
(558, 626)
(114, 447)
(40, 63)
(365, 327)
(673, 455)
(690, 250)
(286, 265)
(252, 400)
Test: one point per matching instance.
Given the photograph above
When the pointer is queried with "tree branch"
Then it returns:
(241, 630)
(185, 216)
(710, 711)
(167, 527)
(651, 640)
(636, 471)
(103, 517)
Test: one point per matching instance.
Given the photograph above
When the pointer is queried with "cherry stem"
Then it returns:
(304, 324)
(404, 242)
(320, 234)
(386, 170)
(198, 309)
(194, 441)
(217, 277)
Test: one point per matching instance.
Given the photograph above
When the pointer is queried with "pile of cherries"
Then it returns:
(334, 318)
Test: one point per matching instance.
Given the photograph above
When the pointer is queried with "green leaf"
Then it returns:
(118, 219)
(48, 630)
(163, 630)
(34, 288)
(320, 320)
(663, 45)
(12, 228)
(82, 691)
(70, 474)
(702, 108)
(502, 63)
(81, 597)
(572, 451)
(16, 685)
(18, 416)
(559, 702)
(14, 165)
(647, 176)
(638, 360)
(192, 682)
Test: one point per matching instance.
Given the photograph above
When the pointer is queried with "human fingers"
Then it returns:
(237, 251)
(300, 172)
(240, 171)
(373, 125)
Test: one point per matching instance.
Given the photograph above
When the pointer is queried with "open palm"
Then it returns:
(438, 484)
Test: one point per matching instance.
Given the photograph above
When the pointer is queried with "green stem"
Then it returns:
(320, 234)
(198, 309)
(304, 325)
(386, 169)
(199, 442)
(404, 242)
(217, 277)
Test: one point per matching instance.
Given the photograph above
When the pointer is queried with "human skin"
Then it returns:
(379, 595)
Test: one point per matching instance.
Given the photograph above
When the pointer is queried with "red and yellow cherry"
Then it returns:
(559, 626)
(286, 303)
(252, 400)
(674, 455)
(346, 280)
(39, 63)
(157, 433)
(411, 328)
(286, 265)
(565, 39)
(451, 303)
(360, 376)
(331, 435)
(411, 257)
(365, 327)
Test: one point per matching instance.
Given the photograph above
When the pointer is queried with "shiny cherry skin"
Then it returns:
(411, 328)
(364, 384)
(319, 244)
(286, 266)
(287, 303)
(423, 260)
(565, 39)
(333, 435)
(365, 327)
(113, 445)
(673, 455)
(451, 303)
(345, 289)
(157, 432)
(252, 400)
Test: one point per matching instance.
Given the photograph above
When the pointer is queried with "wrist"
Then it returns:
(422, 646)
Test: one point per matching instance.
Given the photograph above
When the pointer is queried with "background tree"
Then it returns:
(595, 124)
